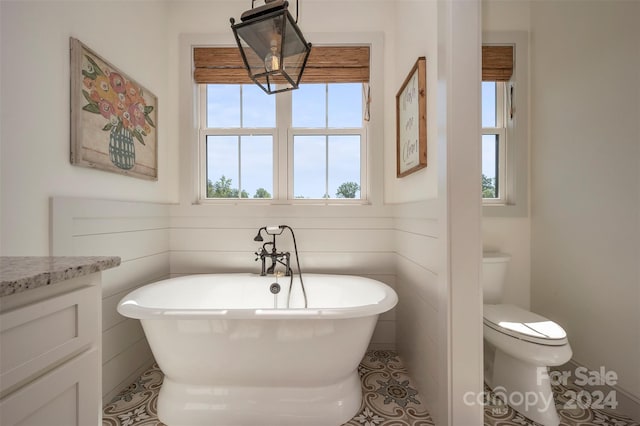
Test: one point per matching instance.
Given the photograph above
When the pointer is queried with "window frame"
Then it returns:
(500, 130)
(283, 136)
(205, 131)
(516, 154)
(306, 131)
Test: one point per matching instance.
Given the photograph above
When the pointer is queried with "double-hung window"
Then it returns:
(497, 69)
(238, 139)
(306, 144)
(494, 141)
(327, 141)
(505, 128)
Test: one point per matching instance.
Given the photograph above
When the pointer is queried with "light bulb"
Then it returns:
(271, 60)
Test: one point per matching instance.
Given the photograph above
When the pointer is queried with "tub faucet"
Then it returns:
(272, 253)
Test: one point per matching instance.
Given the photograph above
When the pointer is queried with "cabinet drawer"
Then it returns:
(65, 396)
(43, 334)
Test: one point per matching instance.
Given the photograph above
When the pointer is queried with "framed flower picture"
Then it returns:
(114, 119)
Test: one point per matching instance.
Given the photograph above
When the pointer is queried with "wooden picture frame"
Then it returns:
(411, 121)
(113, 118)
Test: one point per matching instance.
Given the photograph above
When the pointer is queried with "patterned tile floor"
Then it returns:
(389, 399)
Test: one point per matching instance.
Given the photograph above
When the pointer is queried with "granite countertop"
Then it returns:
(18, 274)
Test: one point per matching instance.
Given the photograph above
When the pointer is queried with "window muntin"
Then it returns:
(489, 103)
(237, 134)
(490, 161)
(326, 166)
(309, 106)
(493, 142)
(325, 140)
(239, 106)
(239, 166)
(328, 146)
(510, 66)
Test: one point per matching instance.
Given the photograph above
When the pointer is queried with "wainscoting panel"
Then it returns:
(418, 262)
(139, 234)
(354, 240)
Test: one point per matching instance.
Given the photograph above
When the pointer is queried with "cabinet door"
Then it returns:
(40, 335)
(65, 396)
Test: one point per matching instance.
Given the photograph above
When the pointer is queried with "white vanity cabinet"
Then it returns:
(50, 354)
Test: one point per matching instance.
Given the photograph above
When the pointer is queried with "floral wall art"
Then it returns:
(113, 118)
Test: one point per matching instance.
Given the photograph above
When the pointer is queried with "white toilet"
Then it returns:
(519, 346)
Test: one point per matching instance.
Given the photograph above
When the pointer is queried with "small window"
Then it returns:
(494, 136)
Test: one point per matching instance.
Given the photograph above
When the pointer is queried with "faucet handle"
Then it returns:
(259, 254)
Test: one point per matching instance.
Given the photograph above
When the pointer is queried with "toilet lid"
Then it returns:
(524, 325)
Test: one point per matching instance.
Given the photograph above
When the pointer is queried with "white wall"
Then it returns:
(418, 260)
(415, 35)
(418, 264)
(392, 244)
(437, 210)
(35, 163)
(585, 180)
(139, 234)
(361, 239)
(502, 231)
(334, 239)
(35, 107)
(584, 139)
(220, 239)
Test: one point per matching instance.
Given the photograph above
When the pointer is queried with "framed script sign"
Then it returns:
(411, 121)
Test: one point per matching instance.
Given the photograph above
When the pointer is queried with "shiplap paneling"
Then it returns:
(139, 234)
(418, 262)
(352, 240)
(127, 361)
(156, 241)
(134, 273)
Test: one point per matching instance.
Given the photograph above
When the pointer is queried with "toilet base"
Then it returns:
(524, 387)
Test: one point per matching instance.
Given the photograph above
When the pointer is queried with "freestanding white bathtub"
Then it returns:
(231, 358)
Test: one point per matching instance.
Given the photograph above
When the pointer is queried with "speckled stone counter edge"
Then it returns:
(18, 274)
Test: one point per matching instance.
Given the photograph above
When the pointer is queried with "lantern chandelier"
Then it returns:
(272, 46)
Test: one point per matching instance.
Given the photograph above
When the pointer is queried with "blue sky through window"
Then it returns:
(489, 142)
(313, 106)
(248, 160)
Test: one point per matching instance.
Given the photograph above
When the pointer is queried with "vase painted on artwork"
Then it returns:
(113, 118)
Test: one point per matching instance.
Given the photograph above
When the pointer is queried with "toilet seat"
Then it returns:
(524, 325)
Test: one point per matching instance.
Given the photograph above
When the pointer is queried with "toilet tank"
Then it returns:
(494, 269)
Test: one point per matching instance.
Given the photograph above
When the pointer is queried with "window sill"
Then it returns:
(504, 210)
(297, 202)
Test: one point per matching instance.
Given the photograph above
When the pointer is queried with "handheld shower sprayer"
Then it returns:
(270, 230)
(275, 230)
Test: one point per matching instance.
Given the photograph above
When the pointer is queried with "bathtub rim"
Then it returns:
(129, 308)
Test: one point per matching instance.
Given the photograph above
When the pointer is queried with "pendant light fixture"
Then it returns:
(272, 46)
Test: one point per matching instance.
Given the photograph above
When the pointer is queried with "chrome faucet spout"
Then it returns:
(272, 253)
(282, 258)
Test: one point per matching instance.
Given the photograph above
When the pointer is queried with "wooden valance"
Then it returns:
(326, 64)
(497, 63)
